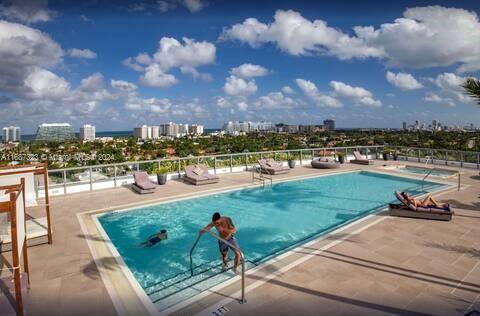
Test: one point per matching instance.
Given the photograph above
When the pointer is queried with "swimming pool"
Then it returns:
(269, 222)
(442, 173)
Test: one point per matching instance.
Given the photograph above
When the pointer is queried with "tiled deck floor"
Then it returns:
(397, 266)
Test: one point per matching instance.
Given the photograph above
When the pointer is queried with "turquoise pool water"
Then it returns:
(424, 171)
(268, 221)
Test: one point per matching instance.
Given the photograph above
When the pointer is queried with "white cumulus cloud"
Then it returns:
(41, 83)
(249, 71)
(26, 11)
(22, 50)
(433, 97)
(186, 56)
(288, 90)
(296, 35)
(275, 100)
(432, 36)
(320, 99)
(239, 87)
(123, 85)
(403, 81)
(358, 94)
(194, 5)
(155, 77)
(82, 53)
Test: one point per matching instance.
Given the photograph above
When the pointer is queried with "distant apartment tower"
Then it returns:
(310, 128)
(11, 134)
(169, 129)
(195, 129)
(329, 125)
(240, 126)
(155, 132)
(261, 126)
(434, 124)
(182, 129)
(55, 132)
(404, 125)
(146, 132)
(141, 132)
(87, 132)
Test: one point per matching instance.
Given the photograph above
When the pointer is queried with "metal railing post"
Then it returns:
(215, 165)
(115, 176)
(478, 161)
(458, 187)
(231, 163)
(65, 182)
(301, 157)
(418, 154)
(246, 162)
(446, 158)
(461, 159)
(91, 183)
(179, 168)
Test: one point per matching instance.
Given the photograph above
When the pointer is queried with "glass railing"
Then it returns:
(445, 157)
(78, 179)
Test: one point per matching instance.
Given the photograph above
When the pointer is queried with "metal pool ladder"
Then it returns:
(427, 159)
(257, 174)
(242, 300)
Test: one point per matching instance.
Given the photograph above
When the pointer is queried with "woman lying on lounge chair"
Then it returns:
(428, 201)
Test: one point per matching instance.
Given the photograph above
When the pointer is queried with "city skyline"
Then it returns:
(96, 63)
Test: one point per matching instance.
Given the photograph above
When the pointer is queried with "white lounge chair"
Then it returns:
(360, 160)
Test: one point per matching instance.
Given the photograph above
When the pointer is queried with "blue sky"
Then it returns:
(119, 64)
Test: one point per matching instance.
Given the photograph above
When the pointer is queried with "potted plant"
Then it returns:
(386, 152)
(291, 163)
(341, 157)
(162, 175)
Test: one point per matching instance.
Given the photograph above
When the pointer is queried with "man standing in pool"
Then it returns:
(226, 230)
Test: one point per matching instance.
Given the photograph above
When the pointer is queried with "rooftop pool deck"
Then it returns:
(377, 265)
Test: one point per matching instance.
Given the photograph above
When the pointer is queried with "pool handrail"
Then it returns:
(242, 257)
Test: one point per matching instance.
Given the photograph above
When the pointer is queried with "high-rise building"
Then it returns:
(169, 129)
(434, 125)
(141, 132)
(195, 129)
(182, 129)
(404, 125)
(11, 134)
(329, 125)
(55, 132)
(146, 132)
(87, 132)
(155, 132)
(248, 126)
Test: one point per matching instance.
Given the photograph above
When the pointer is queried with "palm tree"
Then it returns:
(472, 88)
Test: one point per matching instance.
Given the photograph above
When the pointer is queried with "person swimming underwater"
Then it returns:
(154, 239)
